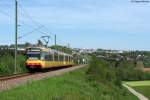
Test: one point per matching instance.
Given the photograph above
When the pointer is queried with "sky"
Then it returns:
(106, 24)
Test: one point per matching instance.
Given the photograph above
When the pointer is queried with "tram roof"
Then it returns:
(48, 50)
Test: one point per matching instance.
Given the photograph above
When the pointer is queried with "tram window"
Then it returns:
(66, 58)
(70, 58)
(61, 57)
(55, 57)
(50, 57)
(58, 57)
(33, 56)
(45, 56)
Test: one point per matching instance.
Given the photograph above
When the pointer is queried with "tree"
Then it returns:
(27, 44)
(62, 48)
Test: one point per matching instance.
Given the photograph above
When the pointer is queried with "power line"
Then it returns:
(37, 29)
(30, 18)
(12, 17)
(6, 5)
(22, 22)
(25, 14)
(30, 26)
(6, 14)
(30, 32)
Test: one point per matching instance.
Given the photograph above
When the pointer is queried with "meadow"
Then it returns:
(142, 87)
(71, 86)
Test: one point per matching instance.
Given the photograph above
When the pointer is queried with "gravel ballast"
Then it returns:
(8, 84)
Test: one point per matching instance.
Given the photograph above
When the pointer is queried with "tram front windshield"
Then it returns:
(33, 55)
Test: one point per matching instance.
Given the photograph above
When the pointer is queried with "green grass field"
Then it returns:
(145, 90)
(142, 87)
(138, 83)
(70, 86)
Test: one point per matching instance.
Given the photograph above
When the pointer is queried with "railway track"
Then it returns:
(3, 78)
(14, 76)
(16, 80)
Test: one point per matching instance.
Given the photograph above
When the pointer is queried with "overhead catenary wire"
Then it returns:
(6, 14)
(12, 17)
(34, 29)
(22, 12)
(4, 4)
(22, 22)
(25, 14)
(30, 32)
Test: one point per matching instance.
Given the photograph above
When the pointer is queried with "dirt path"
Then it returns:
(4, 85)
(137, 94)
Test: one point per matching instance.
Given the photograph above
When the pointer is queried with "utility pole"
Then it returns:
(16, 33)
(55, 40)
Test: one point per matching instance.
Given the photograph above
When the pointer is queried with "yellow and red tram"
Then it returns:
(42, 58)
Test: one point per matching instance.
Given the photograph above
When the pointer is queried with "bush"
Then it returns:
(7, 64)
(128, 72)
(21, 64)
(100, 71)
(146, 64)
(102, 75)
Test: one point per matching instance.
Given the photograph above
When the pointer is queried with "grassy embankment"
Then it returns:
(71, 86)
(7, 64)
(141, 86)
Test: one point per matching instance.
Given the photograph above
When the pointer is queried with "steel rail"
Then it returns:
(14, 76)
(3, 78)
